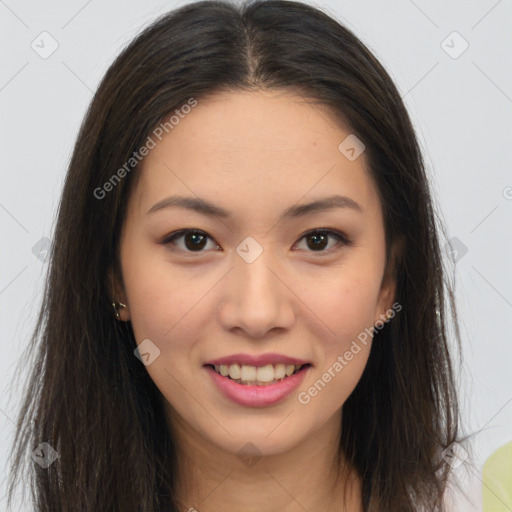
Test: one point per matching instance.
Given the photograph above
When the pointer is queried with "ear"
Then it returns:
(388, 286)
(117, 293)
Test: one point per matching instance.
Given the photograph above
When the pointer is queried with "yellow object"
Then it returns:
(497, 480)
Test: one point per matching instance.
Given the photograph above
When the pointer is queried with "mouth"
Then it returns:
(262, 383)
(258, 375)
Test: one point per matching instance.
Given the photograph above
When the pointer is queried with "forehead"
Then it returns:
(269, 147)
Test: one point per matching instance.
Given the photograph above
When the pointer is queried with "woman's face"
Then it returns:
(253, 282)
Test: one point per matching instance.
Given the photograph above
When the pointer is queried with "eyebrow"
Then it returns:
(211, 210)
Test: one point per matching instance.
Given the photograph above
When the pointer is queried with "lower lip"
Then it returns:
(258, 396)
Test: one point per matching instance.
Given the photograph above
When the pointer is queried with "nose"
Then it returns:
(256, 298)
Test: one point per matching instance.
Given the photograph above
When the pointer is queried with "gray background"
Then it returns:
(461, 105)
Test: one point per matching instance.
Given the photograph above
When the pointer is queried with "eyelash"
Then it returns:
(341, 237)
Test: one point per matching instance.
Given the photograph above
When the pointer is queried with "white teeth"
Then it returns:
(234, 371)
(265, 373)
(279, 371)
(289, 369)
(261, 375)
(248, 373)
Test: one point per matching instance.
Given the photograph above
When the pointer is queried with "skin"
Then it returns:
(255, 154)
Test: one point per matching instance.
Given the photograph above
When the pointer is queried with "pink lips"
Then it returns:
(252, 395)
(260, 360)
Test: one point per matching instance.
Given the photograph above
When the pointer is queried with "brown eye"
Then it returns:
(193, 240)
(318, 240)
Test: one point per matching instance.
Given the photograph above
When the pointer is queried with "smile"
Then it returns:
(257, 386)
(257, 375)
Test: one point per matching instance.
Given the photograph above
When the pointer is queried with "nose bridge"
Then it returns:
(258, 278)
(255, 299)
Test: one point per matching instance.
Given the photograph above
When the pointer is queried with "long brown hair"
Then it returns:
(94, 403)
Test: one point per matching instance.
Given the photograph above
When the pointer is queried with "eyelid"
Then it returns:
(342, 238)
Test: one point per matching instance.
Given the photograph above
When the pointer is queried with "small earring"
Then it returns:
(117, 305)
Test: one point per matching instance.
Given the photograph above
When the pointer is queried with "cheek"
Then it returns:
(324, 394)
(160, 299)
(168, 308)
(347, 306)
(345, 302)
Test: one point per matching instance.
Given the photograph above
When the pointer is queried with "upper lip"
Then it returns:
(256, 360)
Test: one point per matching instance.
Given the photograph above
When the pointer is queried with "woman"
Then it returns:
(246, 305)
